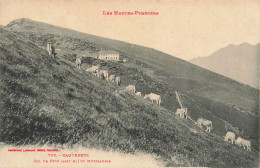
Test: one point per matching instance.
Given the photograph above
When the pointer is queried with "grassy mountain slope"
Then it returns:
(221, 97)
(48, 100)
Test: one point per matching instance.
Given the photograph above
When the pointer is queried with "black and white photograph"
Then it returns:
(129, 84)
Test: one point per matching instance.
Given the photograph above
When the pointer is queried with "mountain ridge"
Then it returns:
(239, 62)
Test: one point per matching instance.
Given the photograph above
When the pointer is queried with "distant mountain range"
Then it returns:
(238, 62)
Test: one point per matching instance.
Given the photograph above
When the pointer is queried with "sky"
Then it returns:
(184, 28)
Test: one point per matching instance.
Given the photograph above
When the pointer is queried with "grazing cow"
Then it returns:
(238, 141)
(246, 144)
(131, 88)
(78, 62)
(153, 97)
(230, 136)
(183, 112)
(112, 78)
(118, 80)
(103, 73)
(138, 94)
(93, 69)
(207, 123)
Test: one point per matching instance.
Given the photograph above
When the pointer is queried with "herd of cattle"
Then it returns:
(182, 112)
(230, 137)
(103, 74)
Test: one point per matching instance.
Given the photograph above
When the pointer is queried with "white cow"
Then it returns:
(230, 136)
(238, 141)
(153, 97)
(183, 112)
(138, 94)
(207, 123)
(131, 88)
(246, 144)
(93, 69)
(103, 73)
(78, 62)
(112, 78)
(118, 80)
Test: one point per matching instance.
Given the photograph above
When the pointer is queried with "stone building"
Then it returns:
(108, 55)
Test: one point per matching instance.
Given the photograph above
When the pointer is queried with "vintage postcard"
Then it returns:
(129, 84)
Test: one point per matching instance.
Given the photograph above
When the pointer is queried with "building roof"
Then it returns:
(108, 52)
